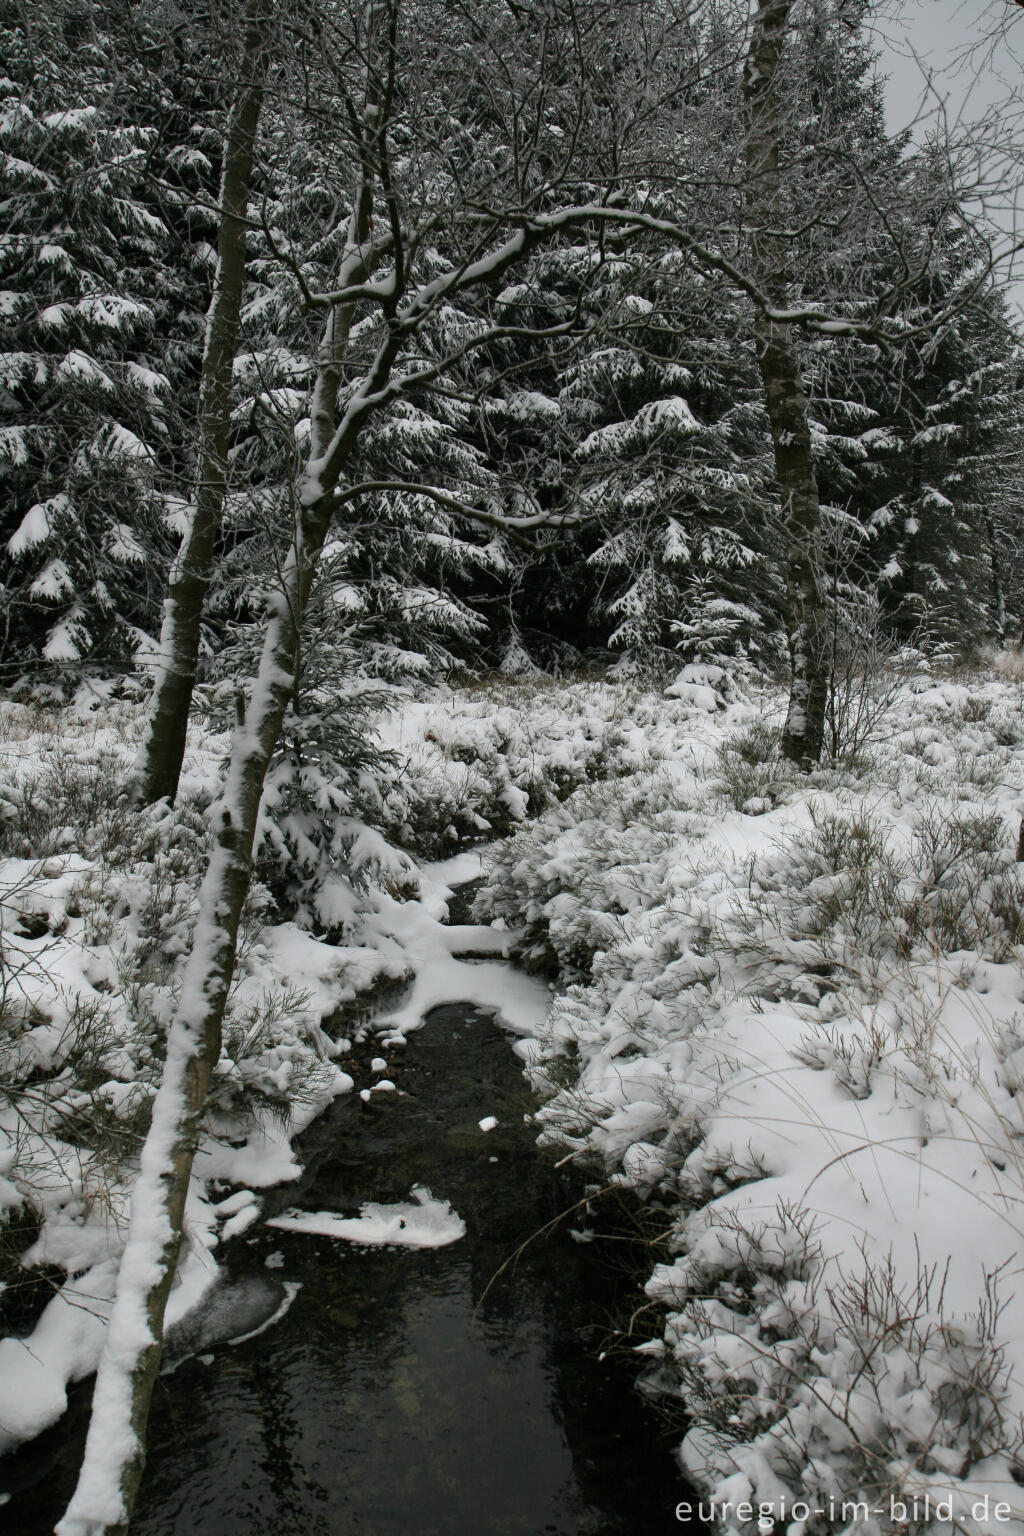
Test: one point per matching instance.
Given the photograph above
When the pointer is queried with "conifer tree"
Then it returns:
(85, 381)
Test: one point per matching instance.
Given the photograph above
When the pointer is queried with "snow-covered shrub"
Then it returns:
(487, 758)
(66, 797)
(753, 771)
(835, 1387)
(868, 666)
(92, 939)
(800, 1030)
(567, 881)
(1009, 664)
(838, 894)
(267, 1070)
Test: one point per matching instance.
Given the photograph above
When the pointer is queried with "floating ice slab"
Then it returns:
(422, 1223)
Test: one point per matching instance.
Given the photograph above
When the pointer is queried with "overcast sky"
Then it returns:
(974, 51)
(951, 37)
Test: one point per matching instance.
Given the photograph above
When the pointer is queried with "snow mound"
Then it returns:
(422, 1223)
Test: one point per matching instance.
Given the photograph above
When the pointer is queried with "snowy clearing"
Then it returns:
(789, 1016)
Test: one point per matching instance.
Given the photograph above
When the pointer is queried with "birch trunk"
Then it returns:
(163, 747)
(115, 1449)
(785, 399)
(113, 1464)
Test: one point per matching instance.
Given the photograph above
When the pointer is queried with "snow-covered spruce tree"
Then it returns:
(82, 409)
(654, 507)
(831, 218)
(654, 432)
(504, 204)
(508, 438)
(946, 395)
(384, 610)
(105, 247)
(675, 462)
(943, 511)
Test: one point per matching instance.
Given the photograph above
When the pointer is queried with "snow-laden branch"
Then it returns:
(537, 229)
(513, 526)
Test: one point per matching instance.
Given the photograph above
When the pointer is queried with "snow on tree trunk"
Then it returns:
(115, 1449)
(163, 747)
(785, 398)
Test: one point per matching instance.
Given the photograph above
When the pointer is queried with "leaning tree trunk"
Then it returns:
(163, 747)
(115, 1450)
(102, 1503)
(785, 399)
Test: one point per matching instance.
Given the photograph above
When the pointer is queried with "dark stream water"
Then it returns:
(405, 1391)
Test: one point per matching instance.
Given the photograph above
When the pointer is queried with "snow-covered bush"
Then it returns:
(482, 761)
(566, 888)
(831, 1386)
(753, 772)
(93, 932)
(868, 666)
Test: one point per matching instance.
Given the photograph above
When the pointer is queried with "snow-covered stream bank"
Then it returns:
(790, 1014)
(97, 907)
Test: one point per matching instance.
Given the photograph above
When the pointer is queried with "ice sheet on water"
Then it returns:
(423, 1222)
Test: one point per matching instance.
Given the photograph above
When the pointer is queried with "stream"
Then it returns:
(403, 1390)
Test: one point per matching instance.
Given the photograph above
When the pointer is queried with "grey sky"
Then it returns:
(951, 37)
(973, 51)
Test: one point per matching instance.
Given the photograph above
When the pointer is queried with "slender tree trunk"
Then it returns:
(115, 1449)
(131, 1359)
(163, 747)
(995, 579)
(785, 399)
(102, 1503)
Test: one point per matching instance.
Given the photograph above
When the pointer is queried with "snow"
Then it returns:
(788, 1009)
(35, 526)
(423, 1222)
(519, 1001)
(64, 1346)
(120, 442)
(85, 370)
(53, 582)
(818, 1078)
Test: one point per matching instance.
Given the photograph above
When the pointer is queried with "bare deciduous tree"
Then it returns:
(784, 394)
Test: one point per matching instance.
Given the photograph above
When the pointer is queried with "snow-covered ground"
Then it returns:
(791, 1016)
